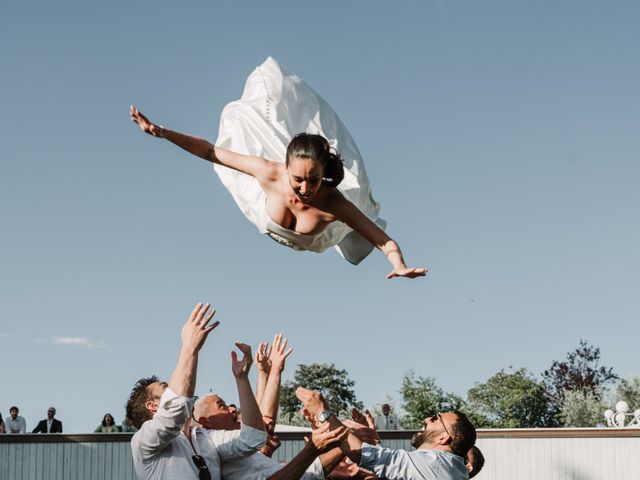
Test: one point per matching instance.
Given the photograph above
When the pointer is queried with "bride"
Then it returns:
(296, 188)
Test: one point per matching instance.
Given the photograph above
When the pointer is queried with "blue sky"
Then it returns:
(500, 138)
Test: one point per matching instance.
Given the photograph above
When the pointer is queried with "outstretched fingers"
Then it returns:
(198, 326)
(324, 440)
(408, 272)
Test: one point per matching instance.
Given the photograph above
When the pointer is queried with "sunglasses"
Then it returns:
(439, 417)
(203, 470)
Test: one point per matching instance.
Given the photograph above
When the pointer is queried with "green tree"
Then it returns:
(629, 390)
(580, 371)
(581, 408)
(335, 385)
(509, 400)
(421, 397)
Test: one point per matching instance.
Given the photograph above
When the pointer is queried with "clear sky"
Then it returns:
(501, 138)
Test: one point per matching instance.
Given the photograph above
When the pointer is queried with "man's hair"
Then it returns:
(136, 405)
(14, 408)
(198, 405)
(463, 433)
(477, 463)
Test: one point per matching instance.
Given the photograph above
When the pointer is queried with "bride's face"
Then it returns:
(305, 177)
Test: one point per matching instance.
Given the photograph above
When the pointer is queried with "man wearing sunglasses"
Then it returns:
(165, 446)
(440, 447)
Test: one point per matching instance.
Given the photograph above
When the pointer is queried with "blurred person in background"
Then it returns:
(108, 425)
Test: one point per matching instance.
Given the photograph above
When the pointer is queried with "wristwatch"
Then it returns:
(324, 416)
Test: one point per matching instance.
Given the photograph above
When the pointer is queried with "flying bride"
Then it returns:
(294, 187)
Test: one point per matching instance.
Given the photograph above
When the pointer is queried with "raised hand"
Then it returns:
(370, 421)
(313, 401)
(241, 367)
(407, 272)
(262, 360)
(323, 439)
(279, 352)
(197, 328)
(144, 123)
(309, 417)
(365, 434)
(365, 419)
(358, 417)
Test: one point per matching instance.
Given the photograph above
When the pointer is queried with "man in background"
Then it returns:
(49, 424)
(386, 421)
(15, 423)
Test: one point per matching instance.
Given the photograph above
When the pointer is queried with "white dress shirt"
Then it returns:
(161, 451)
(260, 467)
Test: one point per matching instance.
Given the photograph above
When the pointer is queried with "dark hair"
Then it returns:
(14, 408)
(104, 419)
(136, 405)
(463, 433)
(316, 147)
(477, 463)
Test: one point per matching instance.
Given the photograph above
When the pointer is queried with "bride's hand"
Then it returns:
(145, 124)
(407, 272)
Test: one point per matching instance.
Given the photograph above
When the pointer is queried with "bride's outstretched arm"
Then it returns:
(255, 166)
(348, 213)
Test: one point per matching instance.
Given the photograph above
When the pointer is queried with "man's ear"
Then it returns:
(152, 406)
(469, 467)
(444, 439)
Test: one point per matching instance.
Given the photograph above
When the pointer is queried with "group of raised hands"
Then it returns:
(270, 359)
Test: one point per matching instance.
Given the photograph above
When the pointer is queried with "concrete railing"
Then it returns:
(525, 454)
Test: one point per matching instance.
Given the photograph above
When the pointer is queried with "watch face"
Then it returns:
(324, 416)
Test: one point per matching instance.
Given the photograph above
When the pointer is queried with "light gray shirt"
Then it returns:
(19, 425)
(419, 464)
(161, 451)
(388, 422)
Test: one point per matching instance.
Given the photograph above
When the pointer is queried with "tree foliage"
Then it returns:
(334, 383)
(581, 408)
(509, 400)
(629, 390)
(580, 371)
(421, 397)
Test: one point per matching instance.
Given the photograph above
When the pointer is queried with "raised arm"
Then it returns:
(347, 212)
(257, 167)
(271, 397)
(322, 440)
(248, 406)
(194, 333)
(263, 364)
(314, 403)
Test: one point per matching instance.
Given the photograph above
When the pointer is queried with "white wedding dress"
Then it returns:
(274, 107)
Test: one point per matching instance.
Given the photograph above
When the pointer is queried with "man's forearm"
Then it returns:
(251, 415)
(262, 383)
(351, 446)
(183, 378)
(331, 459)
(271, 396)
(298, 465)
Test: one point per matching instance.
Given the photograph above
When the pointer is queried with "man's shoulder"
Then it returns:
(448, 462)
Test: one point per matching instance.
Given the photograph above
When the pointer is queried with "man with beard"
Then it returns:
(440, 447)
